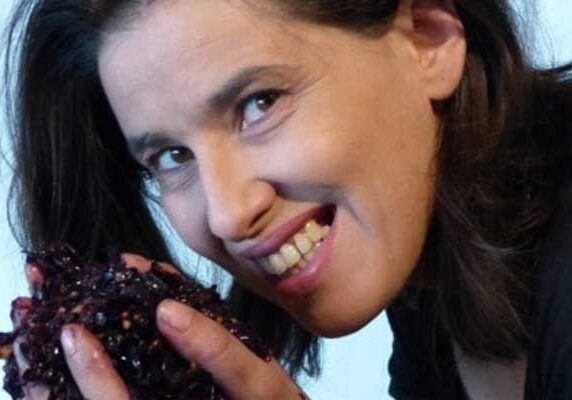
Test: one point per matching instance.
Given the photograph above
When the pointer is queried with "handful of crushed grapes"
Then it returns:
(118, 305)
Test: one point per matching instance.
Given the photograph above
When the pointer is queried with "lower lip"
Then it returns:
(308, 278)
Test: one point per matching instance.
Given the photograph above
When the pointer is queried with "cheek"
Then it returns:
(317, 150)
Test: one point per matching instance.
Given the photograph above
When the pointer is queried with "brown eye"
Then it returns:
(256, 106)
(171, 158)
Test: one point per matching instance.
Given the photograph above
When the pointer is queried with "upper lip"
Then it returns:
(274, 240)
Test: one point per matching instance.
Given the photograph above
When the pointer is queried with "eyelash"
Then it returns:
(150, 161)
(168, 180)
(241, 105)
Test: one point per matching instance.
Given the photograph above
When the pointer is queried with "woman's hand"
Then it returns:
(20, 308)
(240, 373)
(236, 369)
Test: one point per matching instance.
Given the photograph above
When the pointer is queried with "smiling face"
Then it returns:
(251, 123)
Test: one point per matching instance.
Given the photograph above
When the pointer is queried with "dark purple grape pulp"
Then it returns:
(118, 305)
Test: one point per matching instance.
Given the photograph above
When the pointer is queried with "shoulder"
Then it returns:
(550, 361)
(554, 268)
(422, 364)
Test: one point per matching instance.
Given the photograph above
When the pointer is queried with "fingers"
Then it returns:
(20, 308)
(143, 264)
(233, 366)
(34, 276)
(91, 368)
(31, 391)
(36, 392)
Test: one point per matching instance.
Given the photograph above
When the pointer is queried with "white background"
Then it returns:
(355, 367)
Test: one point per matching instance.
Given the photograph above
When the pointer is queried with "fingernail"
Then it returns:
(175, 315)
(69, 340)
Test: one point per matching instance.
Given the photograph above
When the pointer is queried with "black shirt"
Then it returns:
(422, 365)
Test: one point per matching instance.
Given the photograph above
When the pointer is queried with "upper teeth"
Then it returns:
(300, 246)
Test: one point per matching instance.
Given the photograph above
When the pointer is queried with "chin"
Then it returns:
(333, 317)
(337, 325)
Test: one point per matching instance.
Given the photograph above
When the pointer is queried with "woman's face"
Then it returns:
(254, 125)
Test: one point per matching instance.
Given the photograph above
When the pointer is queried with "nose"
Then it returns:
(236, 199)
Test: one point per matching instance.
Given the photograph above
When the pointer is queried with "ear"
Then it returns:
(440, 47)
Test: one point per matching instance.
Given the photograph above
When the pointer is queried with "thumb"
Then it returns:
(239, 372)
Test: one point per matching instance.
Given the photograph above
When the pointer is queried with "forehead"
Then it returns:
(162, 68)
(172, 46)
(170, 31)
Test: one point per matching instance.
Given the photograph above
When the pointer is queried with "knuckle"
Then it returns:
(272, 382)
(88, 360)
(266, 389)
(217, 346)
(279, 390)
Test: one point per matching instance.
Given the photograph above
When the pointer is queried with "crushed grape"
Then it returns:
(117, 304)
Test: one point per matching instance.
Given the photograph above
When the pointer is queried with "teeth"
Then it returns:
(297, 268)
(290, 254)
(314, 231)
(302, 243)
(293, 256)
(277, 264)
(265, 264)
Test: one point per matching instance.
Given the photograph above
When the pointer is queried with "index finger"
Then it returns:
(241, 373)
(90, 366)
(32, 391)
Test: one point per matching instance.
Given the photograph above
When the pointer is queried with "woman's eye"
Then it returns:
(170, 159)
(256, 106)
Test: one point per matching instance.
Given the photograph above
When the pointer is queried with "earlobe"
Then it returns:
(439, 39)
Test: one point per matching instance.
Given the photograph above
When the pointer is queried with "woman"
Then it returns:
(407, 146)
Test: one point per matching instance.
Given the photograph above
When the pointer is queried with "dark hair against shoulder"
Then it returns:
(504, 151)
(74, 179)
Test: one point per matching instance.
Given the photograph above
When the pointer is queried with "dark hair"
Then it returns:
(504, 151)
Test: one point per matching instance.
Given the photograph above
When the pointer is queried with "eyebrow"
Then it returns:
(228, 93)
(221, 100)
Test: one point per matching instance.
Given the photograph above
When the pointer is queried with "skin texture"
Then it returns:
(355, 128)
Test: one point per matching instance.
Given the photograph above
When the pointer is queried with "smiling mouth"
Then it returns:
(297, 251)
